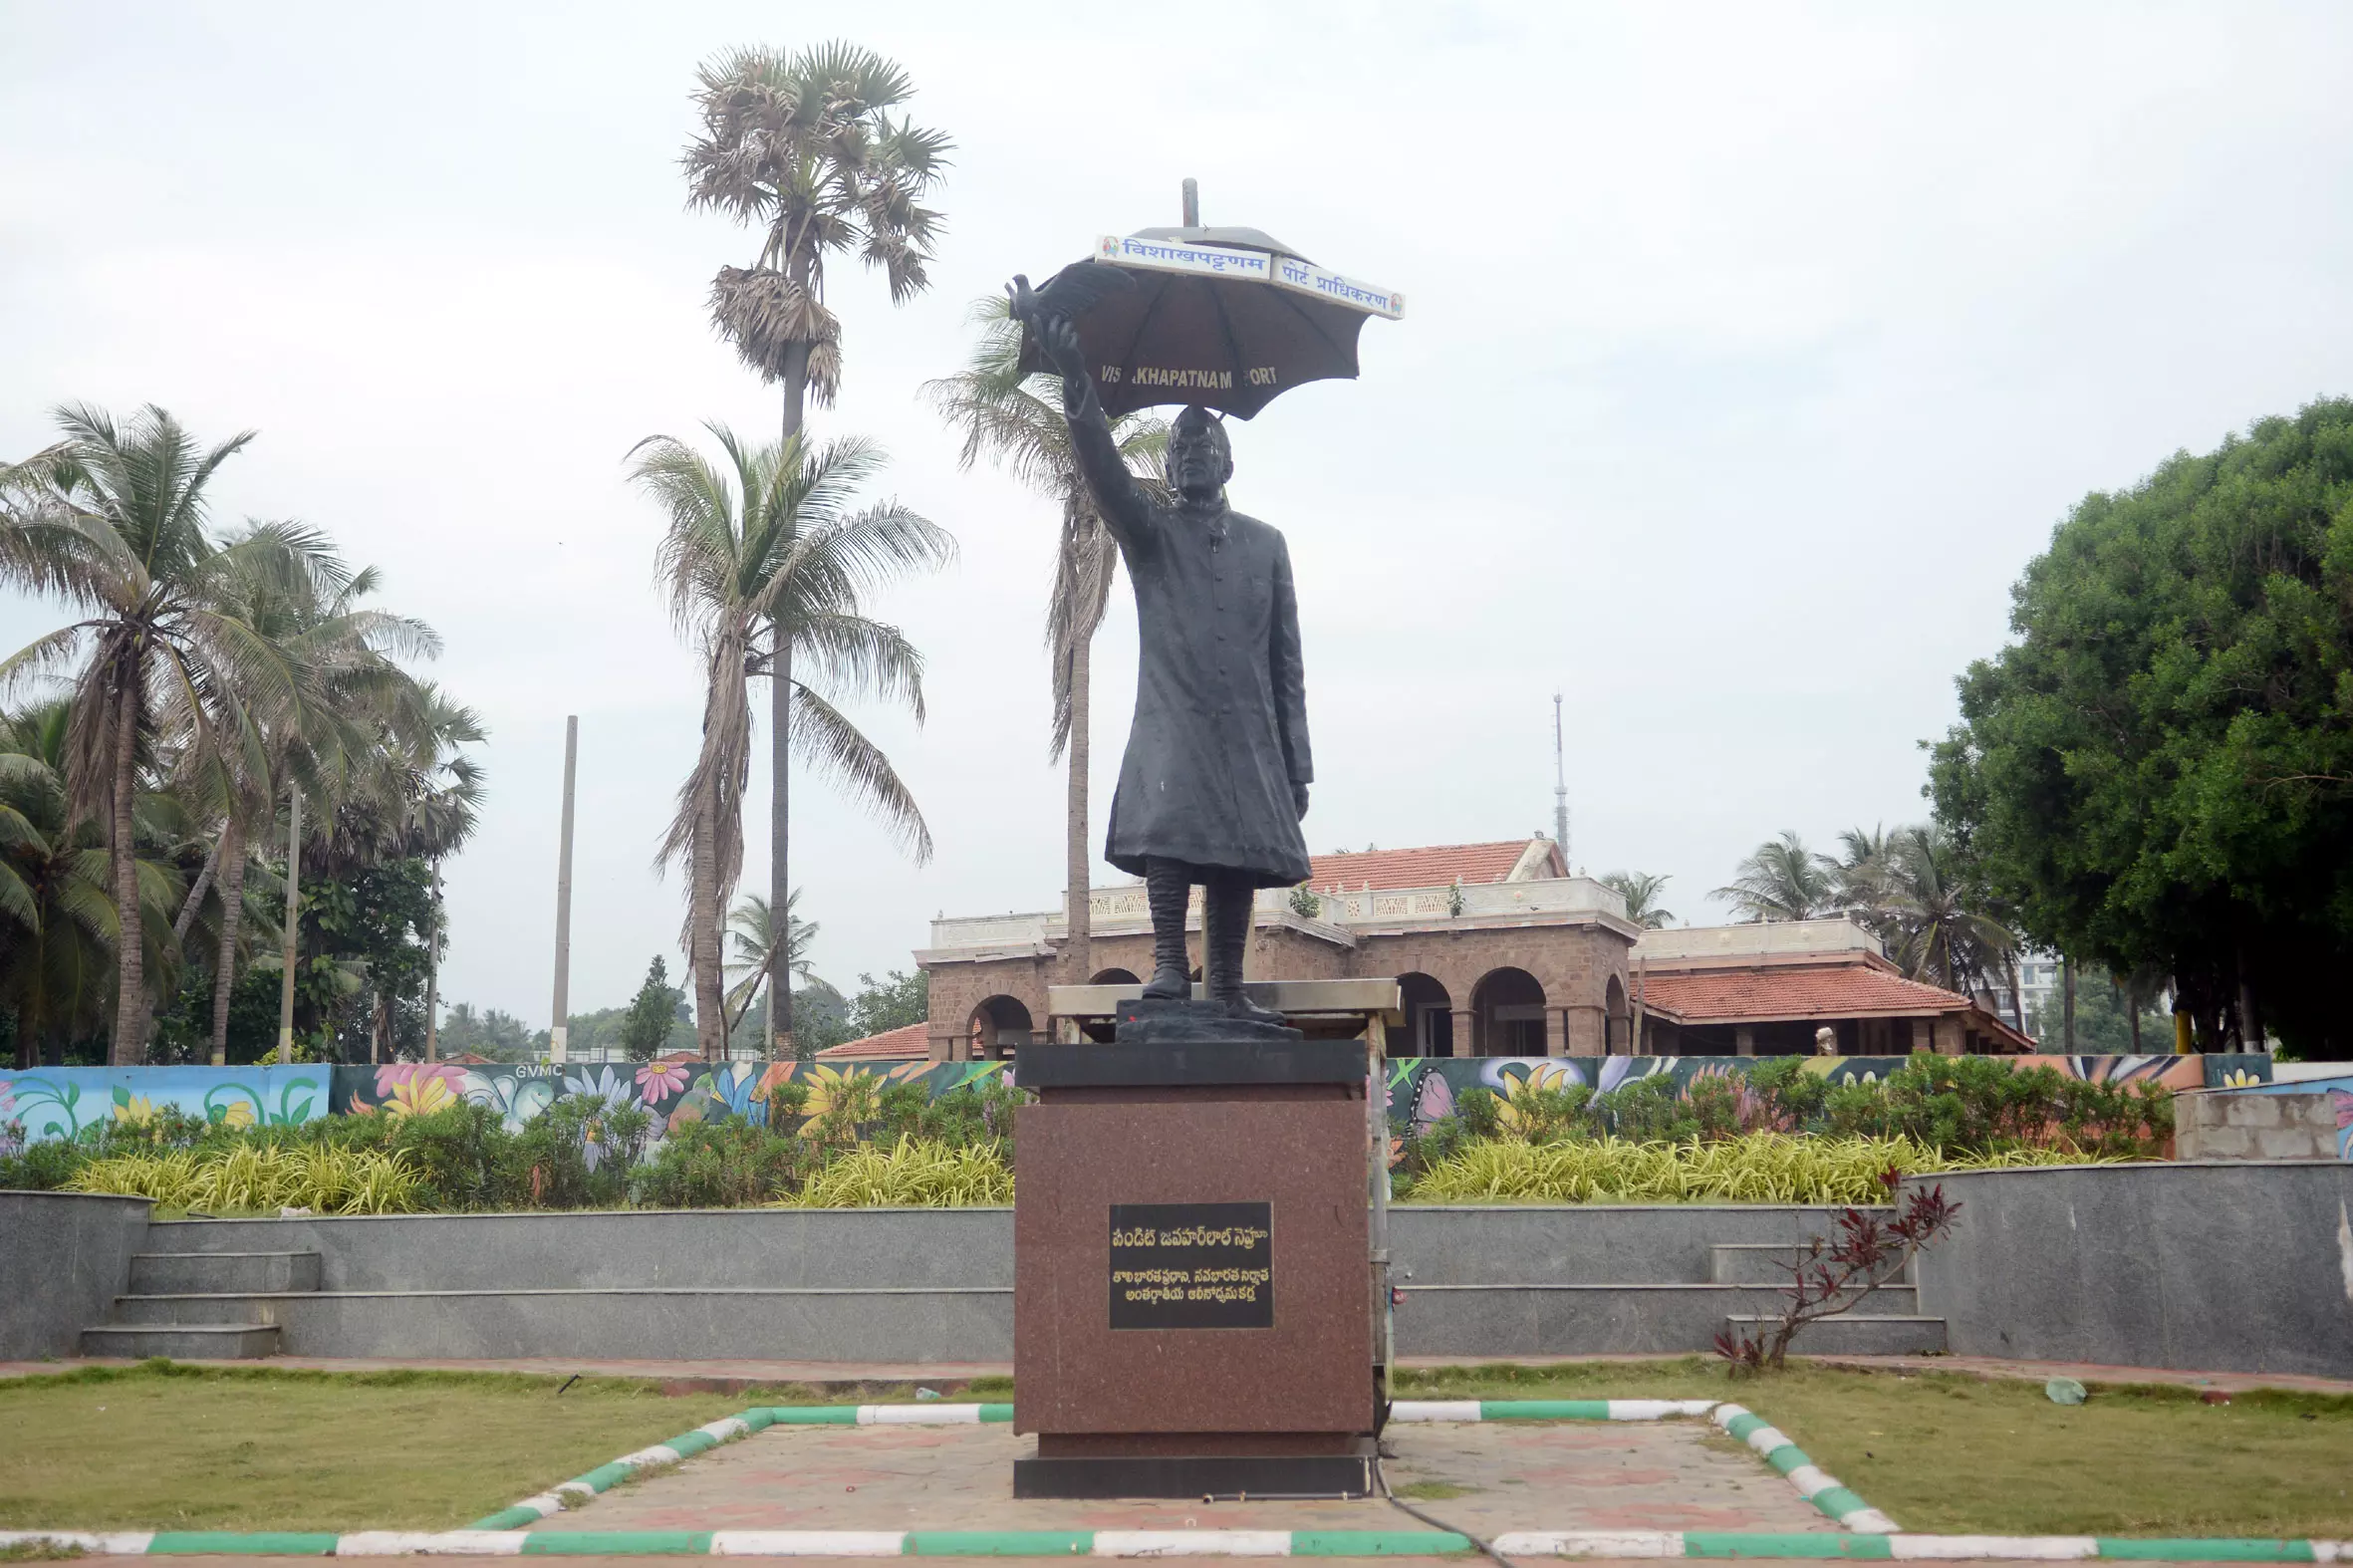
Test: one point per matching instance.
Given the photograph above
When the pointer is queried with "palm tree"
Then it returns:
(1783, 881)
(802, 145)
(354, 733)
(1016, 422)
(113, 520)
(1641, 892)
(56, 917)
(753, 932)
(766, 563)
(1940, 938)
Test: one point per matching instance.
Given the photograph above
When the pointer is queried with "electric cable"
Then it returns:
(1381, 1480)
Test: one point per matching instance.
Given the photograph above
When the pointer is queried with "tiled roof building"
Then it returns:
(1498, 951)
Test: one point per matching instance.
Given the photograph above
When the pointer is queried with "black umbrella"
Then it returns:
(1227, 318)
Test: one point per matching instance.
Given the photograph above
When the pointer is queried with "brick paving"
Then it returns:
(1574, 1475)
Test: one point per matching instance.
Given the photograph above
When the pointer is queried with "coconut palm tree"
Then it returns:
(1783, 881)
(1940, 936)
(753, 932)
(767, 561)
(1641, 892)
(1016, 422)
(802, 145)
(351, 732)
(56, 917)
(114, 521)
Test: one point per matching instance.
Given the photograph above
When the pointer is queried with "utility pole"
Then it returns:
(557, 1029)
(292, 929)
(2067, 1002)
(433, 976)
(1560, 788)
(1192, 203)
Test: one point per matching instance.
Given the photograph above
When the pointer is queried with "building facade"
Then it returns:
(1497, 952)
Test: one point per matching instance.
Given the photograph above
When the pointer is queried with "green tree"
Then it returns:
(1934, 917)
(754, 961)
(1641, 892)
(2157, 771)
(768, 563)
(1016, 422)
(802, 147)
(891, 1003)
(1783, 881)
(113, 520)
(647, 1024)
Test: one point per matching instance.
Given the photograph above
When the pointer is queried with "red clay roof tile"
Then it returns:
(1435, 865)
(911, 1041)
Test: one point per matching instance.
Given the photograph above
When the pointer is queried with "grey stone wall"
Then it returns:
(2230, 1124)
(2235, 1266)
(64, 1257)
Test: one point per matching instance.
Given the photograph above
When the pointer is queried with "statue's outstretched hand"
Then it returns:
(1055, 337)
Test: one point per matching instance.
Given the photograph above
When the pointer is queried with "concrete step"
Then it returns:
(164, 1273)
(1505, 1321)
(183, 1341)
(1763, 1263)
(203, 1308)
(1854, 1333)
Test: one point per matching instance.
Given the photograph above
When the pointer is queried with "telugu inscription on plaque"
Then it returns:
(1191, 1266)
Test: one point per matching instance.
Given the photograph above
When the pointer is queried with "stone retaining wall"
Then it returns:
(2239, 1266)
(64, 1257)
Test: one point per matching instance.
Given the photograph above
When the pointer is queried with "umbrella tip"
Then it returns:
(1192, 202)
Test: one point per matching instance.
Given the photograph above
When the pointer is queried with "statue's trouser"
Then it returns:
(1226, 901)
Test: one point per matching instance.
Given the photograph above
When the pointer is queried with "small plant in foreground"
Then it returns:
(1836, 1274)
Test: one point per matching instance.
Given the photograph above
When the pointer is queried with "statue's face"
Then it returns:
(1199, 461)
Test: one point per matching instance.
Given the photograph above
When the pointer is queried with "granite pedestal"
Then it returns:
(1194, 1298)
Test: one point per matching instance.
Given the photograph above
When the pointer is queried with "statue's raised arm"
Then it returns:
(1126, 509)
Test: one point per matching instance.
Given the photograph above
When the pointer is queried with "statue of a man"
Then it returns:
(1215, 778)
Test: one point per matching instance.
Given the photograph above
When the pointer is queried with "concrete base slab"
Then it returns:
(1484, 1478)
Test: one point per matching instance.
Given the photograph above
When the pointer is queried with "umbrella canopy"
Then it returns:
(1227, 318)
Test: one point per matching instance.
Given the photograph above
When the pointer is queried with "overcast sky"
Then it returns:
(1749, 354)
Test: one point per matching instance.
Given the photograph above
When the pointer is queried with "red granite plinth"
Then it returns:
(1228, 1344)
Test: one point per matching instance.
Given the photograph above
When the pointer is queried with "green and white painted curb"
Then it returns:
(687, 1445)
(1173, 1544)
(1814, 1484)
(1547, 1410)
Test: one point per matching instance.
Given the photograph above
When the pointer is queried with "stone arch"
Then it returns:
(1507, 1014)
(1430, 1017)
(997, 1025)
(1114, 977)
(1618, 1021)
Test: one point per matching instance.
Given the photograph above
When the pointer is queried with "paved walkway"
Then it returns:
(726, 1377)
(1480, 1478)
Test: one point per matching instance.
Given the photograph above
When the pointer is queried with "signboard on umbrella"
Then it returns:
(1226, 318)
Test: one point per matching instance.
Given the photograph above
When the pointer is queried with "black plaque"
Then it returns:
(1191, 1266)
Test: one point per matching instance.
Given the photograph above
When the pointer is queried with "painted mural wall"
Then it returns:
(51, 1102)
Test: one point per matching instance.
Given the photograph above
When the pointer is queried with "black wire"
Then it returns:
(1381, 1480)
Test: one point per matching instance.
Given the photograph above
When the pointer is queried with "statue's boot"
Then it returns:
(1167, 887)
(1227, 934)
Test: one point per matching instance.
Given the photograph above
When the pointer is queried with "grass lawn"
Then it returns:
(1952, 1453)
(187, 1448)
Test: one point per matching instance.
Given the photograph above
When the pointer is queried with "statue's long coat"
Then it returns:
(1220, 729)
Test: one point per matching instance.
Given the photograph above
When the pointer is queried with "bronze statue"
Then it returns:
(1215, 782)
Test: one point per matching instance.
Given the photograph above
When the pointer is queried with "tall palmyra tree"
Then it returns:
(803, 147)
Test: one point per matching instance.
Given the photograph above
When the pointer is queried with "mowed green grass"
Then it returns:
(188, 1449)
(1956, 1455)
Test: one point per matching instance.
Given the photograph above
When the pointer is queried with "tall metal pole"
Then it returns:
(1192, 202)
(556, 1029)
(1560, 787)
(433, 976)
(293, 927)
